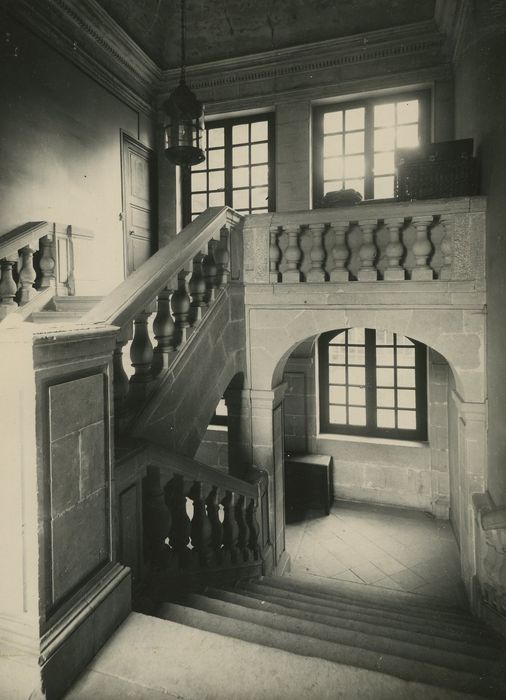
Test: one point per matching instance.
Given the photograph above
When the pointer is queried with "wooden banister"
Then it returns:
(141, 288)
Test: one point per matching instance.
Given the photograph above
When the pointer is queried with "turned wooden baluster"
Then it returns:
(293, 255)
(274, 255)
(141, 354)
(394, 251)
(47, 263)
(8, 288)
(210, 270)
(317, 254)
(201, 530)
(422, 248)
(230, 528)
(254, 528)
(27, 276)
(181, 305)
(222, 258)
(164, 330)
(447, 247)
(175, 497)
(340, 253)
(120, 381)
(197, 289)
(213, 513)
(157, 521)
(367, 252)
(243, 529)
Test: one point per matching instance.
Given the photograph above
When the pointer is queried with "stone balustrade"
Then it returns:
(159, 307)
(194, 518)
(392, 242)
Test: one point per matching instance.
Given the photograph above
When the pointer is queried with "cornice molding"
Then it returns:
(452, 18)
(91, 39)
(417, 38)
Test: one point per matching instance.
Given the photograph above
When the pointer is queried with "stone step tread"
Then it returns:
(326, 632)
(426, 617)
(390, 664)
(372, 596)
(52, 316)
(78, 303)
(415, 637)
(161, 655)
(347, 612)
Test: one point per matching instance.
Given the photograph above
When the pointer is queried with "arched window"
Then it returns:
(373, 383)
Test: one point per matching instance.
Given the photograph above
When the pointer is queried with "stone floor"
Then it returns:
(379, 546)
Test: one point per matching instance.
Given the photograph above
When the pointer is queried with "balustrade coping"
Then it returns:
(144, 454)
(371, 210)
(139, 289)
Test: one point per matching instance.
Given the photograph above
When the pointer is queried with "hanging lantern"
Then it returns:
(185, 131)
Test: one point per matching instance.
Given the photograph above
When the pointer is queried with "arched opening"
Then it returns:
(384, 408)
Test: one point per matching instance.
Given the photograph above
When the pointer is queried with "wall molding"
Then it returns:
(453, 18)
(85, 34)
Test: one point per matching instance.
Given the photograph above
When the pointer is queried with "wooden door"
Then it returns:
(139, 202)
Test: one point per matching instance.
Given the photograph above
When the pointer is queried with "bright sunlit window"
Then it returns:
(373, 383)
(355, 144)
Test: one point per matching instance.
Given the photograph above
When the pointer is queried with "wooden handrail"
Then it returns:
(22, 236)
(133, 295)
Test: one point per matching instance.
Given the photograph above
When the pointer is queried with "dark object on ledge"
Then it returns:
(341, 198)
(445, 169)
(308, 480)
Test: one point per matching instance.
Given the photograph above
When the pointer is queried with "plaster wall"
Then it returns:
(60, 139)
(480, 108)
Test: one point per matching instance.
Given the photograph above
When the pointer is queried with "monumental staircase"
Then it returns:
(119, 392)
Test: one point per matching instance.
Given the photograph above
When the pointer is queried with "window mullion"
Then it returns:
(370, 378)
(228, 164)
(369, 151)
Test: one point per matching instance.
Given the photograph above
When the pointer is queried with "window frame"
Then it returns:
(371, 429)
(424, 97)
(227, 123)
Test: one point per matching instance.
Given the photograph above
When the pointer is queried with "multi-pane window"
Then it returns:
(373, 383)
(238, 170)
(355, 144)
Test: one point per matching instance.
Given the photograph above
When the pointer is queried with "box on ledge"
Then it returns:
(445, 169)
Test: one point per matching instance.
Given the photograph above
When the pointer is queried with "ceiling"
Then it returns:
(224, 28)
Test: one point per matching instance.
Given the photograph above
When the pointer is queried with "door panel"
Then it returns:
(139, 202)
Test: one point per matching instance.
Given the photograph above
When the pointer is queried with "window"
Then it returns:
(238, 170)
(373, 383)
(355, 143)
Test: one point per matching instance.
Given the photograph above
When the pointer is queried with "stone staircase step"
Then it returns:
(78, 303)
(325, 632)
(154, 658)
(344, 611)
(55, 316)
(408, 670)
(419, 639)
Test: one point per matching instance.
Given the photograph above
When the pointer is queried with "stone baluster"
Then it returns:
(201, 530)
(340, 253)
(8, 287)
(243, 529)
(120, 381)
(422, 248)
(222, 258)
(274, 255)
(181, 305)
(230, 528)
(197, 288)
(213, 513)
(175, 497)
(157, 521)
(254, 529)
(27, 275)
(447, 247)
(210, 270)
(394, 251)
(293, 254)
(367, 253)
(164, 330)
(47, 262)
(317, 254)
(141, 355)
